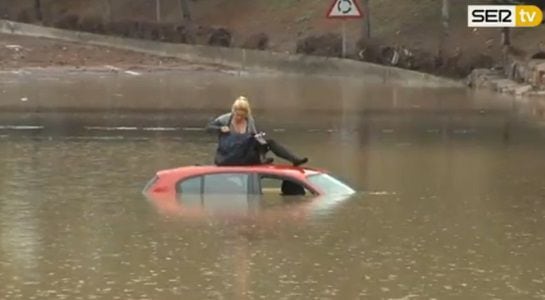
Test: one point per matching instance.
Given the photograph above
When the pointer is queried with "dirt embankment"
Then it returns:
(18, 52)
(403, 33)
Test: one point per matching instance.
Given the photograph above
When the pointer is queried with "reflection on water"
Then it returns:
(257, 208)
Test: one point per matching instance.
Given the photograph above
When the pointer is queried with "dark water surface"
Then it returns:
(450, 206)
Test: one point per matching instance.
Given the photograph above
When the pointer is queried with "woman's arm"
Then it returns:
(215, 125)
(251, 126)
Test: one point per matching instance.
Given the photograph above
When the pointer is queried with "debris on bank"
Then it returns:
(518, 76)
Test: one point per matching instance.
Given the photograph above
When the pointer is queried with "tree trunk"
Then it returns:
(38, 10)
(186, 20)
(108, 11)
(445, 15)
(158, 11)
(186, 14)
(505, 36)
(506, 44)
(366, 19)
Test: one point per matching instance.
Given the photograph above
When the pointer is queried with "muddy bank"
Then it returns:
(21, 52)
(241, 59)
(455, 64)
(405, 34)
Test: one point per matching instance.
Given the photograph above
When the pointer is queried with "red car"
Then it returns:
(244, 180)
(197, 191)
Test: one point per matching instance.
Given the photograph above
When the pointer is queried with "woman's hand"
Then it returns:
(225, 129)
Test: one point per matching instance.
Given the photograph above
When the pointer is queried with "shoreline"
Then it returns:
(115, 69)
(46, 49)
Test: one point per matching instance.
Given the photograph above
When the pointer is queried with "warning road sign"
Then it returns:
(341, 9)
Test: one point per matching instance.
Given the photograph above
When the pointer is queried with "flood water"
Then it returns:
(450, 201)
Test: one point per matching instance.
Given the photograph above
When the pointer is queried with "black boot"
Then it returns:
(301, 161)
(267, 160)
(284, 153)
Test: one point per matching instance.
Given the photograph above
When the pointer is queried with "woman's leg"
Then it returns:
(284, 153)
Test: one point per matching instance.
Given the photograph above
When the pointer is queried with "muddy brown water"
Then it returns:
(450, 201)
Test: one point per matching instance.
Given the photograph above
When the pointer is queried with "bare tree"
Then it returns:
(445, 16)
(186, 20)
(366, 19)
(158, 11)
(186, 14)
(505, 36)
(38, 10)
(108, 10)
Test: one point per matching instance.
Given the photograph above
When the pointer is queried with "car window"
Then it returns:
(281, 186)
(226, 183)
(329, 184)
(190, 186)
(190, 200)
(270, 183)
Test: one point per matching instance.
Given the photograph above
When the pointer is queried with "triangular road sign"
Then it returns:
(344, 9)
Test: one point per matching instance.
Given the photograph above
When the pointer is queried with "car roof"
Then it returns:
(286, 170)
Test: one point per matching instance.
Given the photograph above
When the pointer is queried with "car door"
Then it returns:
(189, 192)
(227, 192)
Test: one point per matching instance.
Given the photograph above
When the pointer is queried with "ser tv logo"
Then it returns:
(504, 16)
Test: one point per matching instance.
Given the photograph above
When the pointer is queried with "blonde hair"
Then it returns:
(241, 103)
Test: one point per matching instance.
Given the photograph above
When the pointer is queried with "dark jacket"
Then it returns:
(234, 148)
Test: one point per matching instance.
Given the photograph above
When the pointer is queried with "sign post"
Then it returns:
(344, 38)
(344, 9)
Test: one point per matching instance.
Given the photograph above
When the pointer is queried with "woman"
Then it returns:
(239, 142)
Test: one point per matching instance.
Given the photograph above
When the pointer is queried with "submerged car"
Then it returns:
(241, 192)
(245, 180)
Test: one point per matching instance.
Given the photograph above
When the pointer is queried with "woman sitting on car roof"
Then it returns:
(239, 142)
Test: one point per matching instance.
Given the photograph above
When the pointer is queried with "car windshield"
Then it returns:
(329, 184)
